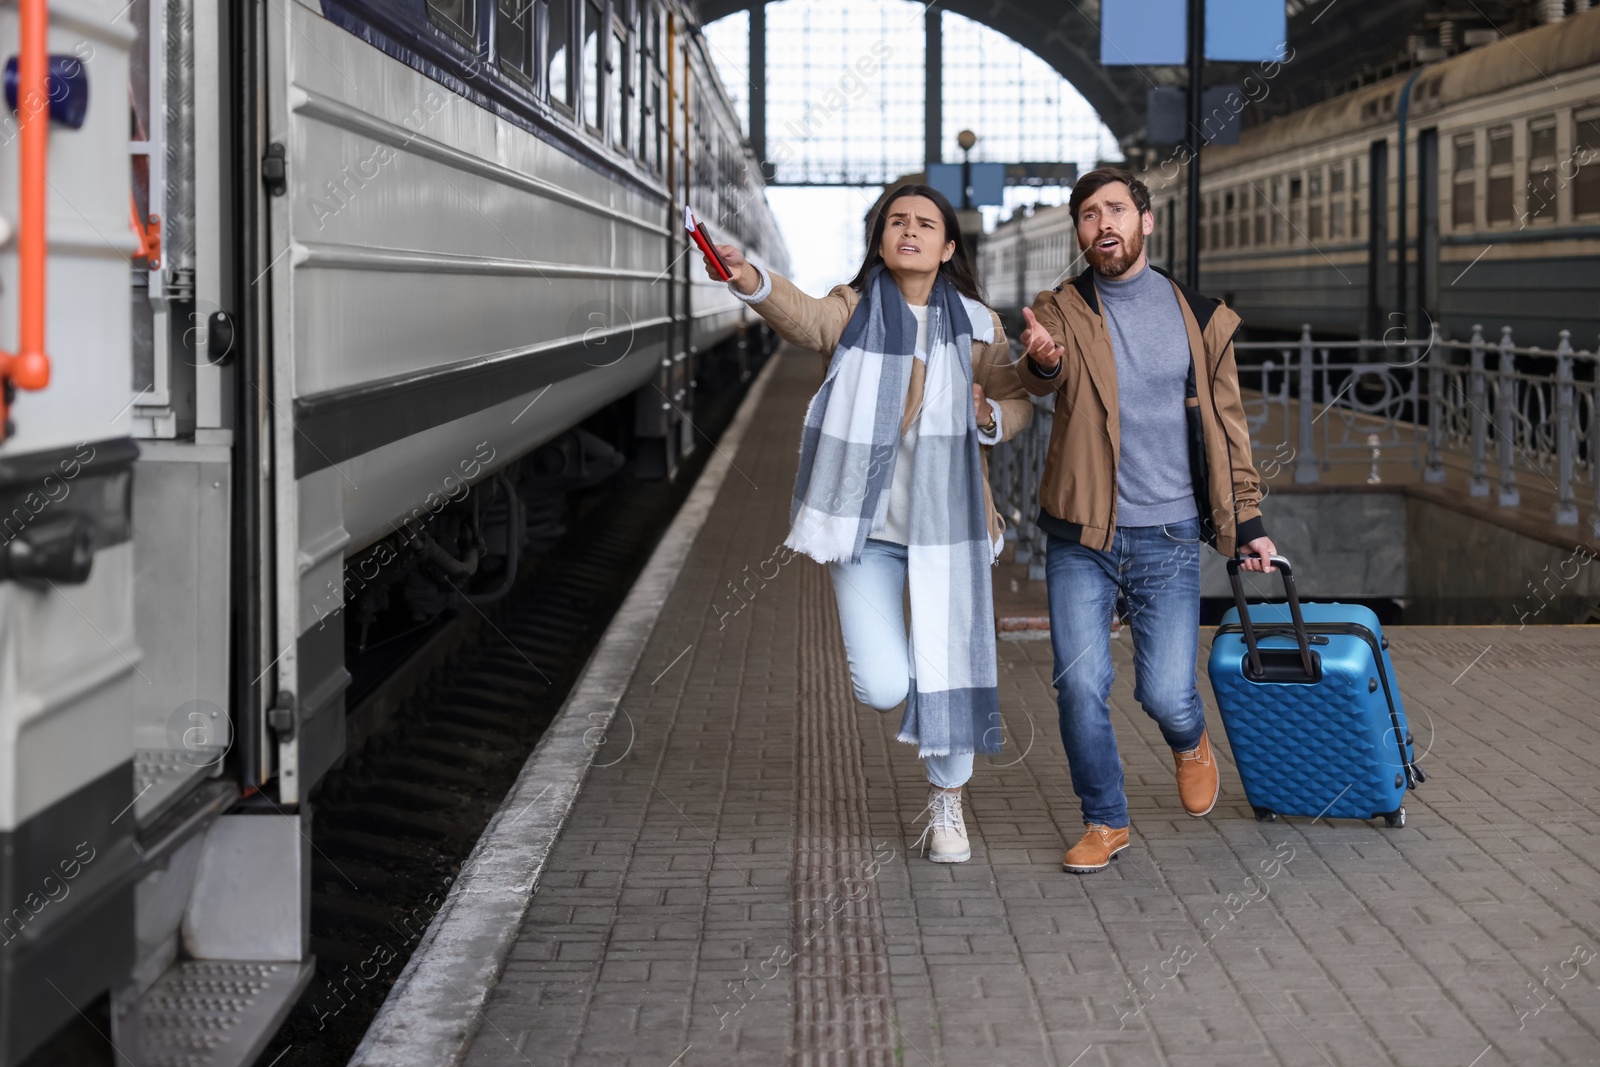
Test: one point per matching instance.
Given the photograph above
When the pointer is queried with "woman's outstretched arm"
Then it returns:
(798, 318)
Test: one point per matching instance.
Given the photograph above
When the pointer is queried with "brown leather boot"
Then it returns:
(1199, 784)
(1094, 849)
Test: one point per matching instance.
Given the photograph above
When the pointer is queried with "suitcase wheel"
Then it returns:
(1395, 818)
(1265, 815)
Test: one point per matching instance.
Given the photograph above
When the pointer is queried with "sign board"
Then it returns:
(1155, 33)
(1246, 31)
(1167, 115)
(1219, 121)
(988, 182)
(1146, 32)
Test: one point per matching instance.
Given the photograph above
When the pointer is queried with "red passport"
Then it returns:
(697, 230)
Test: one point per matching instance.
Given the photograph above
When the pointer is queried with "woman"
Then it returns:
(892, 484)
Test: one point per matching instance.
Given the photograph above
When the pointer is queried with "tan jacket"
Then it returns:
(1078, 494)
(816, 325)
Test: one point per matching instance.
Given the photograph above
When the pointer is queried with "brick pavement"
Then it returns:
(734, 885)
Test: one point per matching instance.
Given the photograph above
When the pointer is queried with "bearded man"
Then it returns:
(1149, 456)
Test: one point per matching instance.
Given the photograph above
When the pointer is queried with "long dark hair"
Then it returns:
(958, 271)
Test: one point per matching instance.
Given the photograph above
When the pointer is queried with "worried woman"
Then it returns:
(893, 488)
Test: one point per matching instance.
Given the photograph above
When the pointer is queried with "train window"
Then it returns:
(1314, 184)
(1497, 192)
(558, 50)
(593, 66)
(513, 36)
(1277, 211)
(1586, 154)
(1297, 209)
(639, 83)
(657, 129)
(1464, 184)
(455, 17)
(621, 68)
(652, 125)
(1336, 204)
(1542, 180)
(1228, 225)
(1500, 146)
(1355, 198)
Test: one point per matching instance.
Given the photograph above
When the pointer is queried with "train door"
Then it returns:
(1427, 228)
(1378, 281)
(70, 665)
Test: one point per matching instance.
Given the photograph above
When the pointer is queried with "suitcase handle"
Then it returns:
(1256, 671)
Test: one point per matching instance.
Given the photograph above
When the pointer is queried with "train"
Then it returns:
(1489, 216)
(308, 307)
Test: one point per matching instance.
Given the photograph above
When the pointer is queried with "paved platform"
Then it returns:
(735, 883)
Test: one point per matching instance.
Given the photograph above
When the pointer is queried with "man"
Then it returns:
(1150, 455)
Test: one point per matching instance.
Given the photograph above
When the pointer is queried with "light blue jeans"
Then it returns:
(1158, 569)
(871, 596)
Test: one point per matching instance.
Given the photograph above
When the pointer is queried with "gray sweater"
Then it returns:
(1154, 487)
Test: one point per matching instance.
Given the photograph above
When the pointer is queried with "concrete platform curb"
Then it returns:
(436, 1005)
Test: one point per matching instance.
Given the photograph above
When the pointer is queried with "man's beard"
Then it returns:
(1116, 263)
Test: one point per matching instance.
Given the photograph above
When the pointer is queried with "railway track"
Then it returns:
(392, 827)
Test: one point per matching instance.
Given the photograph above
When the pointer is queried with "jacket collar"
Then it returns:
(1200, 305)
(1084, 284)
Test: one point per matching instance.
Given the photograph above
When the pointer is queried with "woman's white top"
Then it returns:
(896, 525)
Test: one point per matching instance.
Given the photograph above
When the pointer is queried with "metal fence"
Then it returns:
(1511, 417)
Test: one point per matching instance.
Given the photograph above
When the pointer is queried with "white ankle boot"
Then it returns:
(946, 829)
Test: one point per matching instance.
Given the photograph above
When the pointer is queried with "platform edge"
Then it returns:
(433, 1011)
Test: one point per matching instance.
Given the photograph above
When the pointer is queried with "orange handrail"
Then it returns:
(29, 367)
(149, 236)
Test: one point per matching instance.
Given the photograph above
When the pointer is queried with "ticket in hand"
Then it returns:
(697, 230)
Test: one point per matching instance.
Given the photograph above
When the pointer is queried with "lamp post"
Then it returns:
(1197, 62)
(969, 217)
(966, 139)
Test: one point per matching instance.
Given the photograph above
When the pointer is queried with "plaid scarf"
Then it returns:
(847, 458)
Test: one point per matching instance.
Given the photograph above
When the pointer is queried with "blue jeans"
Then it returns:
(1158, 569)
(871, 596)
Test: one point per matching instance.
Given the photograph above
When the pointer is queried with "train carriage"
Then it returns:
(1491, 216)
(381, 252)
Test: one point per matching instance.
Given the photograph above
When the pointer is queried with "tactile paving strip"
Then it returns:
(842, 996)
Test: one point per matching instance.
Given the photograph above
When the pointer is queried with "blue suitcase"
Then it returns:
(1312, 708)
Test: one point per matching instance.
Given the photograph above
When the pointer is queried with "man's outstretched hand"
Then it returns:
(1037, 343)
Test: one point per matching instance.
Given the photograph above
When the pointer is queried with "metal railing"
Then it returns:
(1533, 415)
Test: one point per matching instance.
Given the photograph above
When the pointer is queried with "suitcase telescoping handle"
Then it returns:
(1293, 596)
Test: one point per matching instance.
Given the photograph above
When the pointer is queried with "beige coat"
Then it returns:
(816, 325)
(1079, 485)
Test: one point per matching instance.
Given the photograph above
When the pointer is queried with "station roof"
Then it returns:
(1337, 45)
